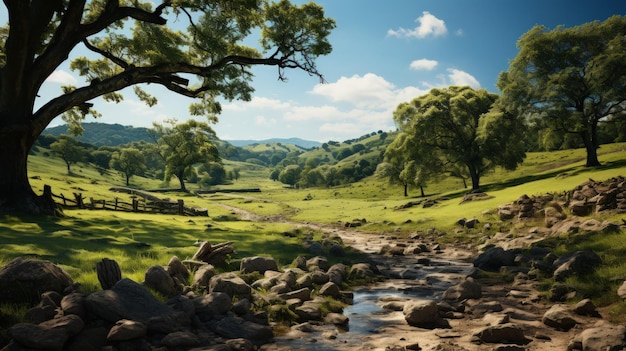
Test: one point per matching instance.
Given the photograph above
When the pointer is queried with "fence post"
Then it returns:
(115, 208)
(181, 207)
(79, 200)
(135, 205)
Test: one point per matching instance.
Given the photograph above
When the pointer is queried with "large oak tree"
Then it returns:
(570, 78)
(461, 126)
(129, 44)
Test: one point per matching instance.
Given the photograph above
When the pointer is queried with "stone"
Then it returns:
(159, 279)
(303, 294)
(559, 317)
(183, 304)
(130, 300)
(493, 258)
(309, 311)
(125, 329)
(421, 313)
(203, 275)
(177, 269)
(212, 304)
(23, 280)
(257, 264)
(234, 328)
(73, 303)
(336, 319)
(468, 289)
(586, 308)
(49, 335)
(89, 339)
(181, 339)
(330, 289)
(621, 291)
(361, 271)
(336, 250)
(603, 336)
(240, 344)
(579, 262)
(317, 262)
(508, 333)
(230, 284)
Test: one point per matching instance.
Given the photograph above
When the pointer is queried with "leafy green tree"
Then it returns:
(128, 161)
(68, 149)
(290, 175)
(275, 173)
(203, 55)
(215, 173)
(458, 125)
(101, 158)
(182, 145)
(571, 78)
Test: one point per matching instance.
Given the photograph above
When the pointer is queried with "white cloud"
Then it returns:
(423, 64)
(428, 25)
(264, 121)
(461, 78)
(62, 77)
(256, 103)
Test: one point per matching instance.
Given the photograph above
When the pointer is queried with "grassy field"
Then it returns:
(138, 241)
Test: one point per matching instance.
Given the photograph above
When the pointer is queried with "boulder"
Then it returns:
(603, 336)
(621, 291)
(181, 339)
(330, 289)
(177, 269)
(361, 271)
(212, 304)
(586, 308)
(507, 333)
(23, 280)
(319, 262)
(230, 284)
(258, 264)
(235, 328)
(130, 300)
(159, 279)
(559, 317)
(493, 258)
(336, 319)
(49, 335)
(468, 289)
(421, 313)
(125, 329)
(579, 262)
(73, 303)
(309, 311)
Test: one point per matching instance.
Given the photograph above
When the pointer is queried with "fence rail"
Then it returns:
(138, 203)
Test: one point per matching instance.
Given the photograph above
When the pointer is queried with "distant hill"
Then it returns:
(100, 134)
(307, 144)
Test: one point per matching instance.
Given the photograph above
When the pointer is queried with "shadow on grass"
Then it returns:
(565, 172)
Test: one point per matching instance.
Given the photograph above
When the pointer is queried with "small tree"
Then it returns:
(68, 150)
(183, 145)
(460, 125)
(129, 162)
(290, 175)
(570, 78)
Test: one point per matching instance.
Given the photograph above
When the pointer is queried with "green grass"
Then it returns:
(137, 241)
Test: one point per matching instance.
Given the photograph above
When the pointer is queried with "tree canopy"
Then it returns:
(129, 161)
(182, 145)
(191, 47)
(570, 78)
(461, 126)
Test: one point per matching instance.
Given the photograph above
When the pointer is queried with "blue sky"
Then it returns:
(384, 53)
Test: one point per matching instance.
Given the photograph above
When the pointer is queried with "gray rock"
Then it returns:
(468, 289)
(203, 275)
(212, 304)
(89, 339)
(230, 284)
(603, 336)
(125, 329)
(559, 317)
(361, 271)
(49, 335)
(493, 258)
(240, 344)
(317, 262)
(621, 291)
(330, 289)
(234, 328)
(336, 250)
(579, 262)
(303, 294)
(586, 308)
(23, 280)
(258, 264)
(507, 333)
(177, 269)
(336, 319)
(309, 311)
(73, 303)
(159, 279)
(180, 339)
(130, 300)
(421, 313)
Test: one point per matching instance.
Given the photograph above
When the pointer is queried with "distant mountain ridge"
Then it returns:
(307, 144)
(100, 134)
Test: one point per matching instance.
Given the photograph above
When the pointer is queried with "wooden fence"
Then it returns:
(138, 203)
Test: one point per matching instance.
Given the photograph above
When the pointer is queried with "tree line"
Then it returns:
(184, 151)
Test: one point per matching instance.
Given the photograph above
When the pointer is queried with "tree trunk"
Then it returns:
(127, 179)
(475, 177)
(591, 145)
(406, 189)
(422, 191)
(16, 194)
(181, 179)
